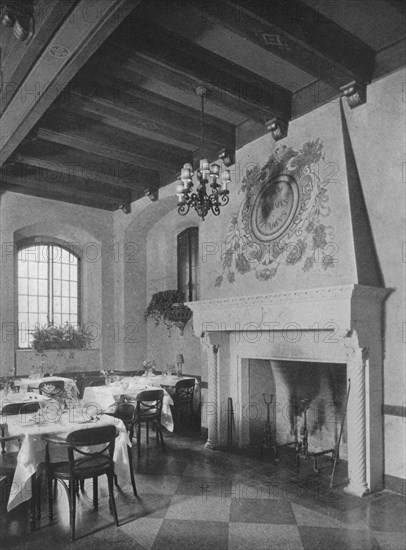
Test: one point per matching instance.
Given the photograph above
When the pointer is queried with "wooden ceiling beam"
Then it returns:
(18, 57)
(76, 170)
(54, 180)
(77, 199)
(88, 165)
(71, 46)
(297, 33)
(93, 130)
(113, 101)
(108, 149)
(64, 192)
(128, 120)
(157, 54)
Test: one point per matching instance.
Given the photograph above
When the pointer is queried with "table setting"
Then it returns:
(46, 421)
(105, 398)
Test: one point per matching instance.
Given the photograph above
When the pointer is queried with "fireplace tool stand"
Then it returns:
(267, 439)
(302, 448)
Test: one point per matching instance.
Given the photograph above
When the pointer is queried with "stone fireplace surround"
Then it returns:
(341, 324)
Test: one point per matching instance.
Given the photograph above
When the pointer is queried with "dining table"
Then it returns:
(31, 454)
(105, 398)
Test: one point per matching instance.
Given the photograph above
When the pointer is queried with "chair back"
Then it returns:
(125, 412)
(11, 409)
(54, 388)
(29, 408)
(148, 404)
(184, 391)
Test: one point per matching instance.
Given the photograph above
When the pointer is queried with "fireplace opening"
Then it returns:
(294, 386)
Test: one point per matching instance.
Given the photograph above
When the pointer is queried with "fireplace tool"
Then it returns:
(303, 445)
(337, 449)
(267, 439)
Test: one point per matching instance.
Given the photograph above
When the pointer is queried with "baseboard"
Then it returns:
(395, 484)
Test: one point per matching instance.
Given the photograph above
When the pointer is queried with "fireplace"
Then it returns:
(329, 337)
(292, 384)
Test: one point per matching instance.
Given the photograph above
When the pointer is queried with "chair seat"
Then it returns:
(98, 466)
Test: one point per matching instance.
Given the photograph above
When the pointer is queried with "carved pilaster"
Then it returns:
(356, 362)
(212, 405)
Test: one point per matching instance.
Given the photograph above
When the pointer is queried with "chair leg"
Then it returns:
(95, 493)
(33, 500)
(50, 496)
(111, 497)
(130, 460)
(72, 509)
(159, 429)
(38, 495)
(147, 428)
(139, 439)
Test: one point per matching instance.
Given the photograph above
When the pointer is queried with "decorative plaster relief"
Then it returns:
(280, 220)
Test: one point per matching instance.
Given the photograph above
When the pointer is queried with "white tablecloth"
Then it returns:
(32, 451)
(105, 397)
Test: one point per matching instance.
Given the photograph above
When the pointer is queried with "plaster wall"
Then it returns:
(87, 229)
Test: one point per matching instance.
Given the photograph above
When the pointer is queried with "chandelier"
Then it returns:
(209, 194)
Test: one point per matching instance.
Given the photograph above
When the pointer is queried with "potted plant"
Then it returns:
(60, 337)
(167, 306)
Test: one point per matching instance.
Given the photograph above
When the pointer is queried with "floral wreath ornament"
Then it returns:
(280, 220)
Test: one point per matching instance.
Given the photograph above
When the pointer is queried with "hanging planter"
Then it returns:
(167, 307)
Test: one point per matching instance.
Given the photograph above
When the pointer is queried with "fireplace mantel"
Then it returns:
(307, 309)
(340, 324)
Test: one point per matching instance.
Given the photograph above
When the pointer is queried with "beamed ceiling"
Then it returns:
(100, 106)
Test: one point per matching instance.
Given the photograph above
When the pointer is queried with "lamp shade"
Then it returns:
(179, 359)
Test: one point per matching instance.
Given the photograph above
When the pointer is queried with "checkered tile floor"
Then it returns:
(190, 497)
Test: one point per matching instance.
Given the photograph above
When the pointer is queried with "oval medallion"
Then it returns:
(274, 208)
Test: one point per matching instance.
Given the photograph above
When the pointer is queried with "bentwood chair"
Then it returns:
(83, 463)
(126, 412)
(148, 405)
(11, 409)
(183, 399)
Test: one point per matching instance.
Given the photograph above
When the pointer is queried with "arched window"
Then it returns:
(48, 288)
(188, 263)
